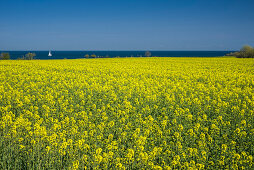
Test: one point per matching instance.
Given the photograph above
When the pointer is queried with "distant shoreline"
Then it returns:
(114, 54)
(119, 58)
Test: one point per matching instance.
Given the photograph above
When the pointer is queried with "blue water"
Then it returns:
(102, 54)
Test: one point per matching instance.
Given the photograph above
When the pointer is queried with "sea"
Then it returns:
(43, 55)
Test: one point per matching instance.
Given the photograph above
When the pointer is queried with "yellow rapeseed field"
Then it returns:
(127, 113)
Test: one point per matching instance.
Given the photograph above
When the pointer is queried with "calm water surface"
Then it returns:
(81, 54)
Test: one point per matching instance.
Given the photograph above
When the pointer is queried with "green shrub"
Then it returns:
(245, 52)
(5, 56)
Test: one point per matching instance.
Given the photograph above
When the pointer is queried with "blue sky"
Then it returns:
(126, 25)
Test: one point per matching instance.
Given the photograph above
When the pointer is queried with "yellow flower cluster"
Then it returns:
(127, 113)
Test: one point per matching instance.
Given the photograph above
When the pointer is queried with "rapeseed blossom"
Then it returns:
(128, 113)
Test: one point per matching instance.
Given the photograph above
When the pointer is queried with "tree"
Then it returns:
(87, 56)
(93, 55)
(30, 56)
(148, 54)
(21, 58)
(246, 48)
(245, 52)
(5, 56)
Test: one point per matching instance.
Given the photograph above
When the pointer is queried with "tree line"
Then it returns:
(245, 52)
(147, 54)
(28, 56)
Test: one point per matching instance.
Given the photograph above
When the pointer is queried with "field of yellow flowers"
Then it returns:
(127, 113)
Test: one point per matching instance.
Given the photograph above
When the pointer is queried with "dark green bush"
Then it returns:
(5, 56)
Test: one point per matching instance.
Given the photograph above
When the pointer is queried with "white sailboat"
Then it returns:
(50, 54)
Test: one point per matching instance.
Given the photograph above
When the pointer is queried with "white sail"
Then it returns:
(50, 54)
